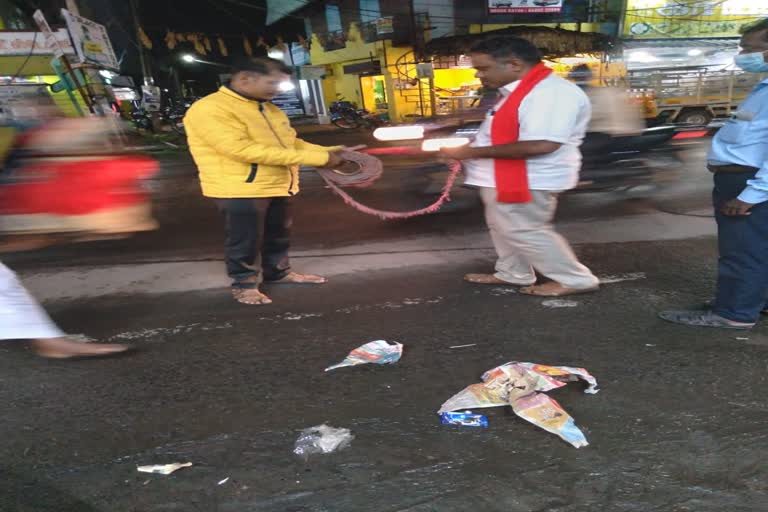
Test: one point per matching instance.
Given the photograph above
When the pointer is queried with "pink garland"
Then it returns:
(453, 165)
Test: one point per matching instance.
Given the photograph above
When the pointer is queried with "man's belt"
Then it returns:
(731, 168)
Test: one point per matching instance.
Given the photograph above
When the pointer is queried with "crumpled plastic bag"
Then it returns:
(521, 386)
(163, 469)
(322, 439)
(377, 352)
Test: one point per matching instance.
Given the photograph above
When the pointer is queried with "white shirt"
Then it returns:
(555, 110)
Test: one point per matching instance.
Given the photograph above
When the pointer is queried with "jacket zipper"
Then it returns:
(279, 140)
(252, 174)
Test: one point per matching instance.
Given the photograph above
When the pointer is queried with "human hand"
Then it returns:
(736, 207)
(459, 153)
(334, 160)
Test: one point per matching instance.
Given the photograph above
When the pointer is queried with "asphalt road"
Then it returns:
(678, 426)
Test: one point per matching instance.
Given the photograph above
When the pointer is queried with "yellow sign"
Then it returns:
(92, 47)
(648, 19)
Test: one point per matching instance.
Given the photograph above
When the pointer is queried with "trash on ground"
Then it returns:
(377, 352)
(559, 303)
(322, 439)
(504, 291)
(742, 339)
(222, 482)
(618, 278)
(521, 386)
(464, 346)
(465, 419)
(163, 469)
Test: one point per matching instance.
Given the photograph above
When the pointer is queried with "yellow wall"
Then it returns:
(453, 78)
(355, 52)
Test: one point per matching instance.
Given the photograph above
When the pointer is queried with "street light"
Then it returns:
(286, 86)
(189, 59)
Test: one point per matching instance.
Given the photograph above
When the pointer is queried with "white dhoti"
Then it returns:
(21, 317)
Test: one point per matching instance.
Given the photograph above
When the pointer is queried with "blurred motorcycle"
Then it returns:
(64, 181)
(633, 165)
(347, 116)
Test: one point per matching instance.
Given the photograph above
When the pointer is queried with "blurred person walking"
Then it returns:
(613, 114)
(22, 318)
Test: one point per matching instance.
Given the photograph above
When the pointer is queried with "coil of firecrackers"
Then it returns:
(368, 170)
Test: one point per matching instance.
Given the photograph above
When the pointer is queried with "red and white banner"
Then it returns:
(524, 6)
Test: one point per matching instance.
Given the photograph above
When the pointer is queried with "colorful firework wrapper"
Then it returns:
(522, 386)
(376, 352)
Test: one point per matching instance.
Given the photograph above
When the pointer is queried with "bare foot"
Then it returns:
(296, 278)
(553, 289)
(250, 296)
(489, 279)
(64, 348)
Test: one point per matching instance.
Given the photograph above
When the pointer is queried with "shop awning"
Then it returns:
(553, 42)
(279, 9)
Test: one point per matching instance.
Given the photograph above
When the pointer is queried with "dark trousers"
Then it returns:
(742, 281)
(258, 238)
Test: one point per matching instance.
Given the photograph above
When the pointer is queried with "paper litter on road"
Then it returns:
(222, 482)
(322, 439)
(521, 386)
(376, 352)
(464, 346)
(163, 469)
(559, 303)
(618, 278)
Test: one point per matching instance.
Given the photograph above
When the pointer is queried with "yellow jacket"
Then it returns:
(238, 154)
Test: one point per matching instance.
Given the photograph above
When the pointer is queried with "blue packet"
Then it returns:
(465, 419)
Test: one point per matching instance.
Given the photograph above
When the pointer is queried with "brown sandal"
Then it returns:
(66, 348)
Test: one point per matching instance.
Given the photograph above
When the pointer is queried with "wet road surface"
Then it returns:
(679, 425)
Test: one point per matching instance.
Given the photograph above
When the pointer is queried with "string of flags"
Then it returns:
(205, 45)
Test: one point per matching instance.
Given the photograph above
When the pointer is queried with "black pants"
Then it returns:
(258, 238)
(742, 280)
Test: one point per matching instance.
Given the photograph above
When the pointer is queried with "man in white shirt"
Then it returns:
(553, 117)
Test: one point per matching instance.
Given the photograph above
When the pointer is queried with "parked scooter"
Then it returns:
(346, 115)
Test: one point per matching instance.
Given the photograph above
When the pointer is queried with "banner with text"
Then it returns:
(649, 19)
(524, 6)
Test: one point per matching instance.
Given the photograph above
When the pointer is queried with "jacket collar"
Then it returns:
(230, 92)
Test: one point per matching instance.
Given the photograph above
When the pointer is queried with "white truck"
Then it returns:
(692, 96)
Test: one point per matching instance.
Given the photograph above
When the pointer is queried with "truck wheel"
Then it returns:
(699, 117)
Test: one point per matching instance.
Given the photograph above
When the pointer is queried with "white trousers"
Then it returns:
(21, 317)
(525, 239)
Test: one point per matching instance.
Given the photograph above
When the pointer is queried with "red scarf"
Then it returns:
(512, 175)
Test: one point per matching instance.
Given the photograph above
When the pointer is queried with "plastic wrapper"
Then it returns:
(163, 469)
(322, 439)
(545, 412)
(376, 352)
(465, 419)
(521, 386)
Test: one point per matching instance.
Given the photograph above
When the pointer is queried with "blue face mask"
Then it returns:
(752, 62)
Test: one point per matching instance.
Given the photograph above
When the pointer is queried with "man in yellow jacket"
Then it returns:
(248, 157)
